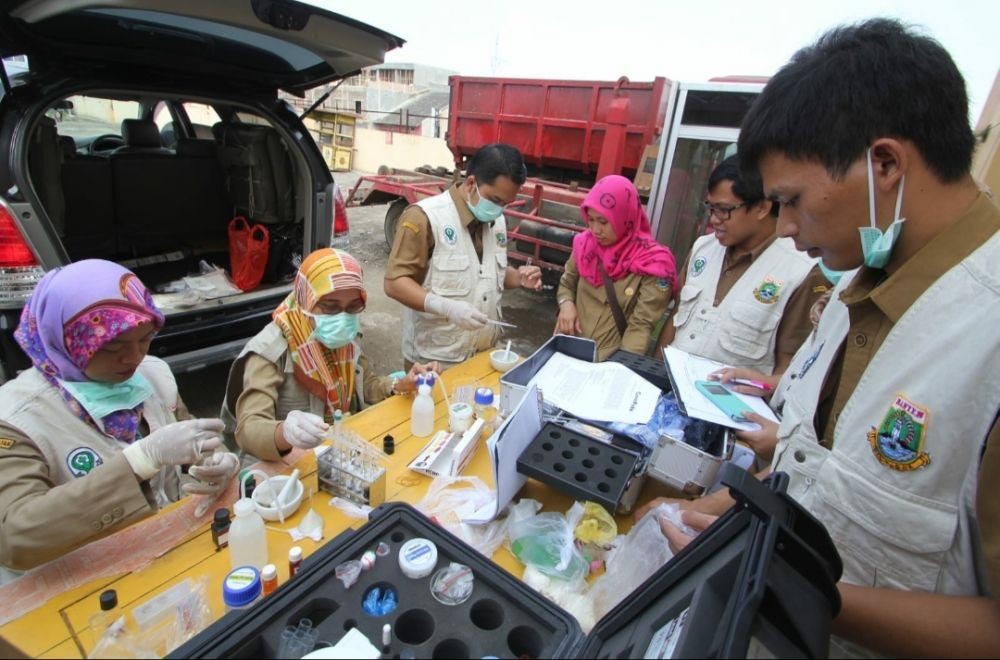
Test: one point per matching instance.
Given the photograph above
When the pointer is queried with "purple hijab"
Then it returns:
(71, 314)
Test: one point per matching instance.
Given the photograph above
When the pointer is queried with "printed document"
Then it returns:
(602, 391)
(685, 369)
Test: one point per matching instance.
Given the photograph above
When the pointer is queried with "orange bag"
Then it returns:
(248, 249)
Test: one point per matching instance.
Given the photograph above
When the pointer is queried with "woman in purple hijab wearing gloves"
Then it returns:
(89, 436)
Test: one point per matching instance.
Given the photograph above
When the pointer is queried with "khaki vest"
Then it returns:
(904, 519)
(270, 344)
(37, 408)
(743, 329)
(455, 272)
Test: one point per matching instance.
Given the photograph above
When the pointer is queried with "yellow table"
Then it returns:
(59, 627)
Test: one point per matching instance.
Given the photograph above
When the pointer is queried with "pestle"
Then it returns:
(279, 502)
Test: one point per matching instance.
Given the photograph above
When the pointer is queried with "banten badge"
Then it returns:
(899, 440)
(698, 267)
(769, 291)
(82, 460)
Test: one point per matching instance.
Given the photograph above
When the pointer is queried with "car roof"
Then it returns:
(264, 44)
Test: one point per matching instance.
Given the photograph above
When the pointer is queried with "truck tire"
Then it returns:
(545, 233)
(392, 219)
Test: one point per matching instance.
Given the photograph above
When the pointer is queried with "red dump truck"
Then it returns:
(574, 132)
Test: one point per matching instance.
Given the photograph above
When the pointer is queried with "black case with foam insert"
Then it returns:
(503, 617)
(760, 581)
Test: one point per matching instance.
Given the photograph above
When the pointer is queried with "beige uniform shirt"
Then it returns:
(874, 308)
(643, 300)
(795, 324)
(40, 521)
(413, 244)
(256, 405)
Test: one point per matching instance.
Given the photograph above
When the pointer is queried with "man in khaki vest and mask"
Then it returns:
(889, 432)
(744, 294)
(448, 262)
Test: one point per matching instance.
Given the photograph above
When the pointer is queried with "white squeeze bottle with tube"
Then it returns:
(422, 412)
(247, 537)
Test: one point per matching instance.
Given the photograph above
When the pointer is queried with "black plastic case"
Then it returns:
(503, 617)
(653, 370)
(576, 464)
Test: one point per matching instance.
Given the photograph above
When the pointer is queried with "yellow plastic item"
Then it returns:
(596, 526)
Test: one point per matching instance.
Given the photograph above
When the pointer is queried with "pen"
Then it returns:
(759, 384)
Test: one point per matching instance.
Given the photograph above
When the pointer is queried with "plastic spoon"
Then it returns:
(283, 494)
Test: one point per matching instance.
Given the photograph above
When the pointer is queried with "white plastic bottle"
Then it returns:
(422, 412)
(247, 537)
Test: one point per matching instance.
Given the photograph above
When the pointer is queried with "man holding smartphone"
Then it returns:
(890, 434)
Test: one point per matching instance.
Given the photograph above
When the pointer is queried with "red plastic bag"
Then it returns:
(248, 249)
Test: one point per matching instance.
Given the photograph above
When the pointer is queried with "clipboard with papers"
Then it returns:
(685, 369)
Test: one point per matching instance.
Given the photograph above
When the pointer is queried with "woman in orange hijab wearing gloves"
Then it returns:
(289, 380)
(618, 281)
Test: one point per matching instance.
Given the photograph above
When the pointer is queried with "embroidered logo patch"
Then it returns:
(898, 442)
(769, 291)
(662, 283)
(810, 361)
(411, 226)
(6, 443)
(450, 236)
(501, 239)
(82, 460)
(698, 267)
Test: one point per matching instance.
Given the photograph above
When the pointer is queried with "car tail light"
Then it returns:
(19, 269)
(340, 226)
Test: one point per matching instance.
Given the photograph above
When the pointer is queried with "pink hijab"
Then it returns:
(615, 198)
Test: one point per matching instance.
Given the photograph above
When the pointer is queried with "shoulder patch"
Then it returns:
(411, 226)
(6, 443)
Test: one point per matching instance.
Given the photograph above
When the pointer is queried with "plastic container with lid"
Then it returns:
(241, 588)
(459, 417)
(417, 558)
(269, 579)
(485, 410)
(247, 537)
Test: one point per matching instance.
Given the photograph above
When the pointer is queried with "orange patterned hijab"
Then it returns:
(327, 373)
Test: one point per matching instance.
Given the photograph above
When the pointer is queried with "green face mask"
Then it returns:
(832, 275)
(335, 330)
(876, 246)
(485, 210)
(102, 399)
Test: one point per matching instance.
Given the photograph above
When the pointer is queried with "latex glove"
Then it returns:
(304, 430)
(212, 474)
(458, 312)
(180, 443)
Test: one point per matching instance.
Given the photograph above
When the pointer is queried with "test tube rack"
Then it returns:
(352, 469)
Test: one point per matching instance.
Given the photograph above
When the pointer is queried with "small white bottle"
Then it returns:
(247, 537)
(422, 412)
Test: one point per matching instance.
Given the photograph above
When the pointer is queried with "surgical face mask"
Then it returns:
(876, 246)
(102, 399)
(485, 210)
(832, 275)
(335, 330)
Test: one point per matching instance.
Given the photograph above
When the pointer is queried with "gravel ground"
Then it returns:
(381, 322)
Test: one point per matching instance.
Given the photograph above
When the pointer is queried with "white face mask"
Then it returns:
(876, 246)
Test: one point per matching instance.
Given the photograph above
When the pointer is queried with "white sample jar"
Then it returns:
(459, 417)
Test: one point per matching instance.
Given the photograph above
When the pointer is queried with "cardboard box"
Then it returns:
(447, 453)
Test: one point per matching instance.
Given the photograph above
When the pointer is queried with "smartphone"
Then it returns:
(724, 400)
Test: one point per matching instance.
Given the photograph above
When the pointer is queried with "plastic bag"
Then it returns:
(450, 499)
(248, 251)
(545, 540)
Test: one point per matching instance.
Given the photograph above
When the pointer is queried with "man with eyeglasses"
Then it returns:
(744, 294)
(448, 263)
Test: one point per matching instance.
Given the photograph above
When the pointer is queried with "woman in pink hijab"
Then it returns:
(618, 280)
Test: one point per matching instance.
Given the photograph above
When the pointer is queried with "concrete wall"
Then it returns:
(373, 148)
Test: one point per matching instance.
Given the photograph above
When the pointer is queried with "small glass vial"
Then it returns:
(485, 410)
(241, 588)
(109, 614)
(220, 528)
(269, 579)
(294, 561)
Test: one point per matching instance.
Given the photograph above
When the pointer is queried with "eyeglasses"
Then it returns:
(331, 308)
(721, 212)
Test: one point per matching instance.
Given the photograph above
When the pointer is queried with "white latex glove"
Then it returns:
(180, 443)
(212, 474)
(458, 312)
(303, 430)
